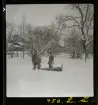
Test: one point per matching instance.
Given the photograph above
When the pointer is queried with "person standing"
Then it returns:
(34, 59)
(51, 60)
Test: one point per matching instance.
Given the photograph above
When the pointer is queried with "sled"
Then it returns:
(54, 68)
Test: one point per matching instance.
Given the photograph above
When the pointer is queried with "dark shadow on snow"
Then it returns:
(53, 69)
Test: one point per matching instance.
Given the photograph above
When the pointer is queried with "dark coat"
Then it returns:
(51, 59)
(36, 59)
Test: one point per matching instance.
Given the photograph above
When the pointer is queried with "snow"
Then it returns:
(75, 80)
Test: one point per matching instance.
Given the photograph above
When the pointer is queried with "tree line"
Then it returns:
(77, 43)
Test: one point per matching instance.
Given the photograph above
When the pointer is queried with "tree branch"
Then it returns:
(72, 18)
(86, 13)
(74, 26)
(89, 26)
(64, 35)
(49, 44)
(80, 11)
(88, 42)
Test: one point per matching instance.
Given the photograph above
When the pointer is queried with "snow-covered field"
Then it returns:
(75, 80)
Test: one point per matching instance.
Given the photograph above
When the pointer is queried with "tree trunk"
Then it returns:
(78, 54)
(73, 55)
(85, 56)
(11, 56)
(17, 54)
(85, 52)
(84, 49)
(23, 54)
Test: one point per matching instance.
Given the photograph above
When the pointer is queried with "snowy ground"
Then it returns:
(76, 79)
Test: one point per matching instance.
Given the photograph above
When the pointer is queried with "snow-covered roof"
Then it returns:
(20, 43)
(16, 46)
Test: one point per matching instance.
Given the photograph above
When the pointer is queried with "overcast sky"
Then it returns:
(36, 14)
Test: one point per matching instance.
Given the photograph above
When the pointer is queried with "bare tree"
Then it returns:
(72, 44)
(23, 32)
(9, 31)
(10, 28)
(83, 21)
(51, 36)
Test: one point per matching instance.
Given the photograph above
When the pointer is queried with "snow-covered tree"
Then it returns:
(82, 18)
